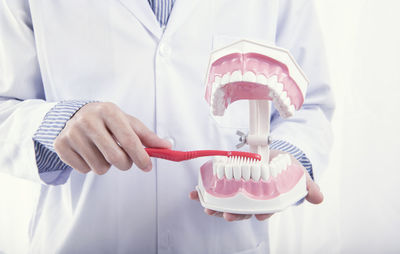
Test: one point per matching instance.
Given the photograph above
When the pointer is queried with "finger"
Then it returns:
(209, 211)
(74, 160)
(248, 216)
(213, 213)
(147, 137)
(121, 129)
(219, 214)
(194, 195)
(111, 151)
(262, 217)
(89, 153)
(233, 217)
(314, 195)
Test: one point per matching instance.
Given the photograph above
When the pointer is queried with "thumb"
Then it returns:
(146, 136)
(314, 195)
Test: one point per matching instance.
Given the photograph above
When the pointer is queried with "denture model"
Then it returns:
(250, 71)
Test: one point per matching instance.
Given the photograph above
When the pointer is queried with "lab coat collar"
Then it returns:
(143, 12)
(180, 12)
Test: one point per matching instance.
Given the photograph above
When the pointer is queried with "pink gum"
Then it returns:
(258, 64)
(262, 190)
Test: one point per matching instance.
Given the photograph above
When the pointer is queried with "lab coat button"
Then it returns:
(164, 50)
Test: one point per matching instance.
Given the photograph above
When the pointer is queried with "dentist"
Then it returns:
(85, 86)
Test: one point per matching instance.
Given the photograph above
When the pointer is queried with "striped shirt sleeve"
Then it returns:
(297, 153)
(52, 169)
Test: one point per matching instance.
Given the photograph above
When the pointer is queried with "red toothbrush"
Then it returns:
(174, 155)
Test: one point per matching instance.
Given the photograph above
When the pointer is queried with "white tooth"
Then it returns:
(256, 171)
(271, 92)
(236, 76)
(215, 163)
(237, 171)
(216, 159)
(228, 171)
(275, 86)
(274, 172)
(274, 90)
(277, 104)
(216, 85)
(291, 110)
(284, 114)
(284, 159)
(287, 101)
(288, 160)
(273, 168)
(283, 95)
(214, 106)
(273, 80)
(214, 169)
(220, 170)
(249, 77)
(217, 79)
(217, 102)
(280, 106)
(225, 79)
(261, 79)
(246, 170)
(280, 165)
(219, 93)
(279, 88)
(265, 172)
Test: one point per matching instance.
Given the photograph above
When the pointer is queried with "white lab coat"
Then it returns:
(115, 51)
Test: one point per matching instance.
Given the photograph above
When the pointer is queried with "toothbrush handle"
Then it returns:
(174, 155)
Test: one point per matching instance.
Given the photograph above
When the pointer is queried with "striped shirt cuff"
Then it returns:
(298, 154)
(295, 151)
(51, 168)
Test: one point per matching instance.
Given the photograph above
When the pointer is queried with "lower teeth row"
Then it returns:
(247, 169)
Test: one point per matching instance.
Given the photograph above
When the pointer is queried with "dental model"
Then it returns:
(250, 71)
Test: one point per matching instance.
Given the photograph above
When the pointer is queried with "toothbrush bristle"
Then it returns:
(246, 155)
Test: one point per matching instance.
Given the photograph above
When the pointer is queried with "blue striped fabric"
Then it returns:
(296, 152)
(162, 10)
(47, 159)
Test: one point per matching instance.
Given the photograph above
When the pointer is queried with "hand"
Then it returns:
(100, 135)
(314, 196)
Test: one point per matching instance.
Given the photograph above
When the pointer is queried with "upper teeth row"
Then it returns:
(238, 167)
(280, 98)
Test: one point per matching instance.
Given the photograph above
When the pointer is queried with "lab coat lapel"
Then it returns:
(180, 12)
(143, 12)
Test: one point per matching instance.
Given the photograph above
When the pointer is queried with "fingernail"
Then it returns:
(169, 142)
(148, 168)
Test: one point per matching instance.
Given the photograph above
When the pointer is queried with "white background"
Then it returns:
(361, 212)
